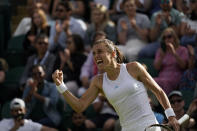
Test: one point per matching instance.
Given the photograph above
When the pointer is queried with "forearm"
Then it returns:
(122, 37)
(154, 32)
(56, 37)
(39, 97)
(180, 62)
(73, 101)
(142, 33)
(158, 64)
(163, 99)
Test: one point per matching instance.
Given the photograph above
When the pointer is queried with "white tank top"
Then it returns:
(130, 100)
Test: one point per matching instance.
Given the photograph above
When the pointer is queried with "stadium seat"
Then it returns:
(15, 44)
(5, 112)
(13, 76)
(15, 52)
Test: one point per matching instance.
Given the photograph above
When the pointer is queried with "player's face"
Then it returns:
(102, 56)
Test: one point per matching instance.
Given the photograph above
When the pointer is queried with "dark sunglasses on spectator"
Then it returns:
(167, 37)
(42, 43)
(59, 10)
(165, 1)
(36, 74)
(176, 101)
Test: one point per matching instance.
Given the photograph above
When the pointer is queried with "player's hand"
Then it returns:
(174, 123)
(57, 77)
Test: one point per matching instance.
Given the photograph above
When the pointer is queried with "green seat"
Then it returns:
(150, 67)
(15, 52)
(13, 76)
(187, 97)
(15, 44)
(5, 112)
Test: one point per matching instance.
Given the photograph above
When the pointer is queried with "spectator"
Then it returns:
(18, 122)
(188, 80)
(171, 60)
(100, 22)
(70, 61)
(177, 102)
(79, 123)
(41, 98)
(26, 23)
(64, 26)
(43, 57)
(132, 30)
(39, 25)
(189, 26)
(162, 19)
(106, 116)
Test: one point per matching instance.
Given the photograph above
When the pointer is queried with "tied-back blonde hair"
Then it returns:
(112, 48)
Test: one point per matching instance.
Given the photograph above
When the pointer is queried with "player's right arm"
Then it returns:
(79, 104)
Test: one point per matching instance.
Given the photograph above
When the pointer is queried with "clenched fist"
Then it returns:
(57, 77)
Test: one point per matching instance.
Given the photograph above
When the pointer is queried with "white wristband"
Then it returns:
(62, 88)
(169, 112)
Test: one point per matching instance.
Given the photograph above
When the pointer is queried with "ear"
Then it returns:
(114, 54)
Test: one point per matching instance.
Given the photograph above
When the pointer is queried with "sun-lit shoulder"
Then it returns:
(98, 81)
(133, 65)
(135, 68)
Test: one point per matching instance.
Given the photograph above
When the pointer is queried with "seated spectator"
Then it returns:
(100, 22)
(70, 61)
(39, 26)
(177, 102)
(18, 122)
(160, 20)
(42, 57)
(171, 60)
(132, 30)
(41, 98)
(189, 26)
(188, 80)
(64, 26)
(79, 123)
(106, 116)
(25, 24)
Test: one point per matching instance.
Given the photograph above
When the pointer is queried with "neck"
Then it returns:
(41, 55)
(113, 71)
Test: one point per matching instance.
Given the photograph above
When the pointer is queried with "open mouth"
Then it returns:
(98, 62)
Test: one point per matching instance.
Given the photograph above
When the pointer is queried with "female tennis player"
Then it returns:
(124, 85)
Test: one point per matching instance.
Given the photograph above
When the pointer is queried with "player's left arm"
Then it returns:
(140, 73)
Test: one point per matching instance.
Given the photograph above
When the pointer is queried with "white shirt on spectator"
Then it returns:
(7, 124)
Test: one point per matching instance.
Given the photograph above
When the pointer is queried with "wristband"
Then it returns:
(62, 88)
(169, 112)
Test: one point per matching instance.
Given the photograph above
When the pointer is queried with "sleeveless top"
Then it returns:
(129, 98)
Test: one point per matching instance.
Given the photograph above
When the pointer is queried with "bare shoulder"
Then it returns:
(134, 68)
(97, 81)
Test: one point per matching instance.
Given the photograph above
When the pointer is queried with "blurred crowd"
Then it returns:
(58, 34)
